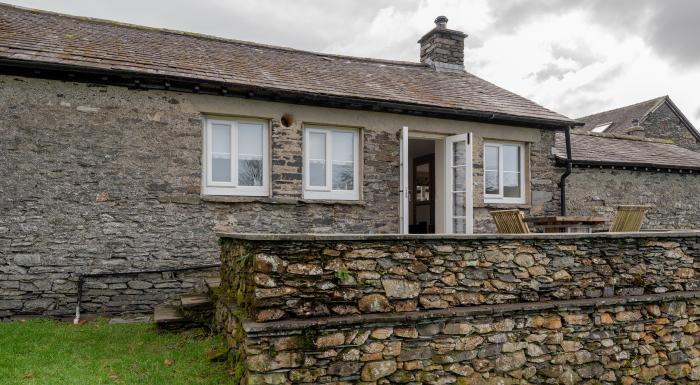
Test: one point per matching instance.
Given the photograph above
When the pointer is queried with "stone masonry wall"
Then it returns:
(107, 179)
(279, 280)
(665, 124)
(652, 342)
(565, 308)
(672, 197)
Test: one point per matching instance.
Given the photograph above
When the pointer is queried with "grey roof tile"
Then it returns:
(51, 38)
(621, 118)
(611, 150)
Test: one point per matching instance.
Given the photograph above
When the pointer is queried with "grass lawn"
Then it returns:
(52, 353)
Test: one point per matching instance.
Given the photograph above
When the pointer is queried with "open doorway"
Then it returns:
(422, 186)
(435, 183)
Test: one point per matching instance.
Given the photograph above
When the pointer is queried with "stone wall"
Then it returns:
(663, 123)
(672, 197)
(649, 342)
(107, 179)
(568, 309)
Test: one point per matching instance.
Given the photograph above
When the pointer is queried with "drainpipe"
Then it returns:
(562, 181)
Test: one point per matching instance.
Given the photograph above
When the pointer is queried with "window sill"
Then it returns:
(493, 205)
(277, 200)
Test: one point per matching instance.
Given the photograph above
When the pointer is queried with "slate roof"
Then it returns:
(625, 150)
(31, 36)
(621, 118)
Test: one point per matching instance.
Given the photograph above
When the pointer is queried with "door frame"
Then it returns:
(469, 182)
(446, 195)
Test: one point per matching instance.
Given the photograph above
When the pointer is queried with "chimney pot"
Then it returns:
(441, 22)
(443, 48)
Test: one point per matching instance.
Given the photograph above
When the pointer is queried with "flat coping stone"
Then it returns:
(454, 237)
(429, 316)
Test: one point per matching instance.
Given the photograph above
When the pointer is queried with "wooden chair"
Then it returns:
(510, 222)
(628, 218)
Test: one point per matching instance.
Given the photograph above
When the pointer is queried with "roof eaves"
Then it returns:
(444, 112)
(587, 162)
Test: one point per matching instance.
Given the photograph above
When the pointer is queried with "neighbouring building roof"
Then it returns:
(622, 120)
(30, 37)
(619, 150)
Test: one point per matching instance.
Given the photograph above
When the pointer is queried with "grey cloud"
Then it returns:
(510, 14)
(551, 70)
(582, 55)
(674, 31)
(669, 27)
(600, 82)
(576, 106)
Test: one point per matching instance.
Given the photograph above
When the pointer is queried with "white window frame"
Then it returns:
(499, 198)
(209, 187)
(327, 192)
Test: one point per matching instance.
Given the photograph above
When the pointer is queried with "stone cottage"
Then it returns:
(646, 153)
(124, 148)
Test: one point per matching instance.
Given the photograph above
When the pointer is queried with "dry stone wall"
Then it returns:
(326, 277)
(652, 342)
(610, 309)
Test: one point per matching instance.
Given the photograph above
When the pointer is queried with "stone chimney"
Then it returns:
(443, 48)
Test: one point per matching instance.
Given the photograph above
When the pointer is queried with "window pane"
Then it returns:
(491, 181)
(459, 153)
(250, 172)
(317, 146)
(511, 158)
(459, 204)
(250, 139)
(459, 225)
(343, 160)
(343, 176)
(343, 146)
(459, 178)
(317, 159)
(491, 158)
(511, 184)
(221, 153)
(317, 173)
(250, 154)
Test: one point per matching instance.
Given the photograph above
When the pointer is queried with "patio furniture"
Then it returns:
(628, 218)
(566, 224)
(510, 222)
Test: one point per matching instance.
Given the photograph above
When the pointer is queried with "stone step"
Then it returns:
(212, 282)
(165, 314)
(169, 318)
(194, 301)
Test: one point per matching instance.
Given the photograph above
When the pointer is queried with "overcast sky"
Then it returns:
(575, 57)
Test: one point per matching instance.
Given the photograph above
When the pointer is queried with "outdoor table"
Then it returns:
(566, 224)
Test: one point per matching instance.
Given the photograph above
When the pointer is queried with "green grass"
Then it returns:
(52, 353)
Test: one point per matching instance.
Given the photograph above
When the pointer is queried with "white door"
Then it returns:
(403, 182)
(459, 208)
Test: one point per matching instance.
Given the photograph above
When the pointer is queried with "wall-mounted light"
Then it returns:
(287, 119)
